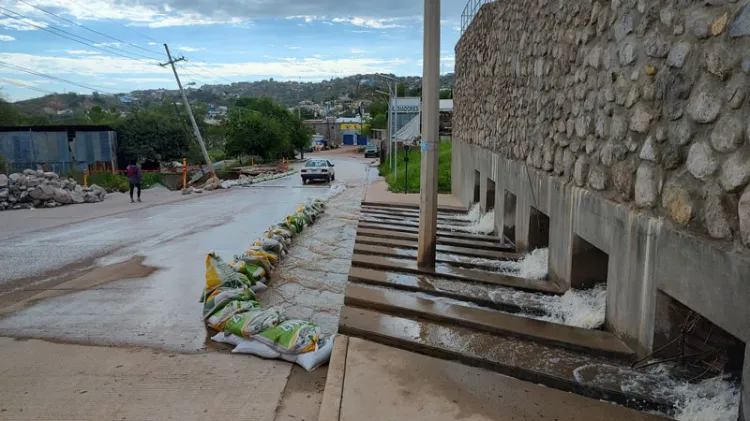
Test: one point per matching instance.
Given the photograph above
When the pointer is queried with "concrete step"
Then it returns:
(402, 304)
(401, 227)
(412, 244)
(409, 211)
(389, 251)
(446, 271)
(497, 245)
(523, 359)
(393, 205)
(485, 295)
(410, 216)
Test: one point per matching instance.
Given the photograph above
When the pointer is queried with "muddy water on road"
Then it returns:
(161, 309)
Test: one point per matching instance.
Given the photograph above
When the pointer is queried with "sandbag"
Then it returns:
(253, 322)
(291, 337)
(221, 296)
(270, 245)
(253, 347)
(313, 359)
(272, 257)
(218, 273)
(227, 338)
(257, 260)
(253, 272)
(218, 318)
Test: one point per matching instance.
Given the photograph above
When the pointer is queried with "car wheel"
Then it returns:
(333, 177)
(304, 180)
(329, 178)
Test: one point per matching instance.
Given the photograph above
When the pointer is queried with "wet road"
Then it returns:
(162, 309)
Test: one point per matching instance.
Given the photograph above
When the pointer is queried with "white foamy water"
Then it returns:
(713, 399)
(483, 225)
(474, 215)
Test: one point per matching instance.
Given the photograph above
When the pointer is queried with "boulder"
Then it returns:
(99, 191)
(77, 197)
(13, 178)
(3, 180)
(52, 175)
(90, 197)
(62, 196)
(3, 194)
(29, 172)
(43, 192)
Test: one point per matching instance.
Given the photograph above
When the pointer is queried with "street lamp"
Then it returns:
(394, 124)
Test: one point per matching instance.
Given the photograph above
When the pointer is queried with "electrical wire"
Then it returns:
(95, 31)
(114, 21)
(93, 44)
(35, 73)
(22, 85)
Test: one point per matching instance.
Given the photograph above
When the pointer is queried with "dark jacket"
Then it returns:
(134, 174)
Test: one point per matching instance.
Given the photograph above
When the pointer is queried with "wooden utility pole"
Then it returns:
(430, 111)
(189, 111)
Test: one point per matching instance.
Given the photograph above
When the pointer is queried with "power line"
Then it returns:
(22, 85)
(93, 30)
(35, 73)
(114, 21)
(214, 76)
(90, 43)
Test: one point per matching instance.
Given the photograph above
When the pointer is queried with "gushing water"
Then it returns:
(474, 215)
(483, 225)
(713, 399)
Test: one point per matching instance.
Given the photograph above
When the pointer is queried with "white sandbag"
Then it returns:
(259, 287)
(227, 338)
(253, 347)
(313, 359)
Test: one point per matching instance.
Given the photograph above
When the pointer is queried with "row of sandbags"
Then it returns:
(230, 304)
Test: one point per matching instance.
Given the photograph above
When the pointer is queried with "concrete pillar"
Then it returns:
(428, 201)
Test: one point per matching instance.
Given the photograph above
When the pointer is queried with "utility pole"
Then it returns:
(395, 141)
(430, 111)
(189, 111)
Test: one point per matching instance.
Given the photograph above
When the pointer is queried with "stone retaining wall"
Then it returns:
(644, 101)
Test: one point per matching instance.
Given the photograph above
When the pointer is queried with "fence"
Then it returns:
(471, 9)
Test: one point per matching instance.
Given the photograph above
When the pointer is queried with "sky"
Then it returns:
(116, 46)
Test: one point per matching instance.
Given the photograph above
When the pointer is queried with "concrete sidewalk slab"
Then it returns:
(555, 367)
(470, 292)
(389, 264)
(377, 192)
(390, 384)
(415, 229)
(597, 342)
(330, 407)
(53, 381)
(440, 258)
(412, 245)
(497, 244)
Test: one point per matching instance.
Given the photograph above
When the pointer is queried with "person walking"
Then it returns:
(134, 178)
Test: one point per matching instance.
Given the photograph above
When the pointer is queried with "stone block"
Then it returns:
(715, 216)
(701, 162)
(705, 102)
(740, 26)
(677, 202)
(743, 209)
(727, 135)
(647, 180)
(735, 172)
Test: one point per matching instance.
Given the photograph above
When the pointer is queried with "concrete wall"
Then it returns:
(627, 122)
(645, 101)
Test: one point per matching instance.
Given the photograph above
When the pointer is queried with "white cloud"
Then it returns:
(358, 51)
(369, 22)
(6, 38)
(187, 19)
(109, 44)
(21, 24)
(153, 43)
(85, 52)
(190, 49)
(291, 47)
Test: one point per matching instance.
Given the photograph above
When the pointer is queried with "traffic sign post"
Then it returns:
(406, 168)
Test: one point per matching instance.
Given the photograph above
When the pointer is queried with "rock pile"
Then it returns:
(245, 181)
(44, 190)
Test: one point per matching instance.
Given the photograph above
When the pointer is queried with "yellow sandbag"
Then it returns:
(270, 257)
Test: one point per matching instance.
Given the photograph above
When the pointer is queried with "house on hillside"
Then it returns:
(58, 148)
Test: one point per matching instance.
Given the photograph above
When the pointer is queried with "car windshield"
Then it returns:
(372, 148)
(313, 164)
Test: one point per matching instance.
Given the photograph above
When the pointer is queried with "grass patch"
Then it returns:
(413, 179)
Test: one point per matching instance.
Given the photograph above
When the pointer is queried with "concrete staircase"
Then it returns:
(451, 311)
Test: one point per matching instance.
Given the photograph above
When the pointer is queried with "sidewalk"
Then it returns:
(395, 385)
(377, 192)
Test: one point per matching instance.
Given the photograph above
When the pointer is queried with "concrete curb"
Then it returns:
(330, 406)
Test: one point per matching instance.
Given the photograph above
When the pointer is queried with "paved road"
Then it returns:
(160, 310)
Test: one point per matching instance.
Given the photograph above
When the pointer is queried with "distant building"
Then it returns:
(59, 148)
(327, 129)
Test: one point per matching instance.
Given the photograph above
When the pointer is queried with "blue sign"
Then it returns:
(425, 146)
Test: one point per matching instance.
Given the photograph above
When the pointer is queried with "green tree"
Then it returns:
(446, 93)
(98, 116)
(401, 90)
(252, 133)
(151, 137)
(301, 136)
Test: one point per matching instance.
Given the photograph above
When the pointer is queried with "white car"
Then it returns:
(318, 169)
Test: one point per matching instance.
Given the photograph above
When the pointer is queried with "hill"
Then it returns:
(289, 93)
